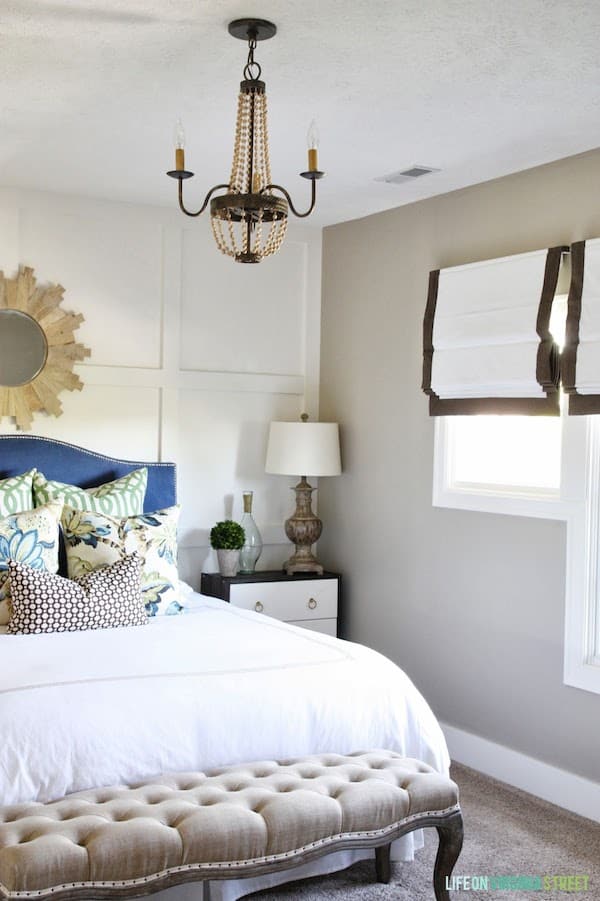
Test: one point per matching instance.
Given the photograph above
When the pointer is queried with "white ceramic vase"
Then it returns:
(229, 561)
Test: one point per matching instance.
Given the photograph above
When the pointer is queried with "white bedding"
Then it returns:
(217, 686)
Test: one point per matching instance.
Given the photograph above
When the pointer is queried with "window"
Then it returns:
(582, 622)
(503, 464)
(516, 454)
(547, 467)
(538, 467)
(511, 455)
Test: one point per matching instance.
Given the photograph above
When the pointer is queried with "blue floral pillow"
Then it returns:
(93, 540)
(31, 538)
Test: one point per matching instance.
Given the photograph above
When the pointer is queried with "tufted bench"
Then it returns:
(237, 821)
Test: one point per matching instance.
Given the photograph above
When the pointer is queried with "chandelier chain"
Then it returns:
(251, 64)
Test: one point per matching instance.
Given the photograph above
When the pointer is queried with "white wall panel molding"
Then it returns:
(120, 419)
(242, 318)
(192, 355)
(256, 382)
(312, 323)
(111, 274)
(108, 212)
(169, 425)
(171, 299)
(170, 338)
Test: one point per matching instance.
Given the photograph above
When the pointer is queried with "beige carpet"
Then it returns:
(507, 832)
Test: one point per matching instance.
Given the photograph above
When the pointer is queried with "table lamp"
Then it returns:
(312, 448)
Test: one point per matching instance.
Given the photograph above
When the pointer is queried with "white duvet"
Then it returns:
(219, 686)
(190, 692)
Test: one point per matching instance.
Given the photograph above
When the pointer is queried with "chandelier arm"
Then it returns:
(206, 199)
(289, 199)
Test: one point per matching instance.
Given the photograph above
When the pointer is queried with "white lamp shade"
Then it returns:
(304, 449)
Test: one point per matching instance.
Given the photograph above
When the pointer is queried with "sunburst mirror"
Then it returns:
(37, 348)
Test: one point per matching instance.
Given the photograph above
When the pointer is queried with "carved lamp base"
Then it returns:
(303, 529)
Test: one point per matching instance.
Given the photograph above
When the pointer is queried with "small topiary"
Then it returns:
(227, 536)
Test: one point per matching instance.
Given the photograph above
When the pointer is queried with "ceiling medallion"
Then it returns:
(249, 220)
(37, 348)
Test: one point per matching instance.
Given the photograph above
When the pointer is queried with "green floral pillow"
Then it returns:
(32, 538)
(16, 493)
(94, 540)
(123, 497)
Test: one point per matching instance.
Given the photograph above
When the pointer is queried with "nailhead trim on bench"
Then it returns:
(354, 837)
(204, 826)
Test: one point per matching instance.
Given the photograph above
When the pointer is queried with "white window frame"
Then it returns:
(582, 607)
(577, 503)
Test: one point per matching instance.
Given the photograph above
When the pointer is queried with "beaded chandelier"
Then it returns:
(249, 220)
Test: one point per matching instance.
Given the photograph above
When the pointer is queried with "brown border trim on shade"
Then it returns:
(495, 406)
(547, 370)
(568, 358)
(584, 404)
(428, 320)
(579, 404)
(547, 360)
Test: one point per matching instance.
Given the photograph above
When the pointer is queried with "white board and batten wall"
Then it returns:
(192, 354)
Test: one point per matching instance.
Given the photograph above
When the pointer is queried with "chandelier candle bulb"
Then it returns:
(179, 138)
(312, 140)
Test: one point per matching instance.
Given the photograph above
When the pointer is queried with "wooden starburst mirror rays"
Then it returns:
(37, 340)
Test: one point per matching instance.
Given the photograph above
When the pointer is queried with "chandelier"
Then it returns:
(249, 220)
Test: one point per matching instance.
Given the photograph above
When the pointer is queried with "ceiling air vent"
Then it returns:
(398, 178)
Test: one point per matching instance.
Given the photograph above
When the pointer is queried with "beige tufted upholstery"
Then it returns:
(236, 816)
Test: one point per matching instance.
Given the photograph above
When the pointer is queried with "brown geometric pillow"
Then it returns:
(103, 599)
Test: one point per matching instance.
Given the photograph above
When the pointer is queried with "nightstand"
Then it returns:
(303, 599)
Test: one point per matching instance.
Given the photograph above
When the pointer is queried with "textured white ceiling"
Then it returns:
(90, 90)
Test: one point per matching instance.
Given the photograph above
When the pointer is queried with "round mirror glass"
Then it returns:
(23, 348)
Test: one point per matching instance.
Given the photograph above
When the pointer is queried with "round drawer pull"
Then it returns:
(312, 603)
(259, 607)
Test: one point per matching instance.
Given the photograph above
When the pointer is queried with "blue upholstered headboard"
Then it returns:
(77, 466)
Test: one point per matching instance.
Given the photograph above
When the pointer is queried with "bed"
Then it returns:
(215, 685)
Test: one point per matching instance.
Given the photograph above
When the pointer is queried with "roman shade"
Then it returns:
(487, 345)
(580, 362)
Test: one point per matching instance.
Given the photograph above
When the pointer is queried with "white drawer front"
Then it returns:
(302, 600)
(326, 626)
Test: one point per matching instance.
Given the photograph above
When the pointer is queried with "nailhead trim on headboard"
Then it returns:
(70, 477)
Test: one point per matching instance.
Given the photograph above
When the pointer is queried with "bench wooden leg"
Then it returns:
(383, 867)
(451, 839)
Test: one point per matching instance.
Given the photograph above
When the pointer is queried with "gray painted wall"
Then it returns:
(471, 605)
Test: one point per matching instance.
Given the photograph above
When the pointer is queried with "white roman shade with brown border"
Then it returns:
(580, 360)
(487, 345)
